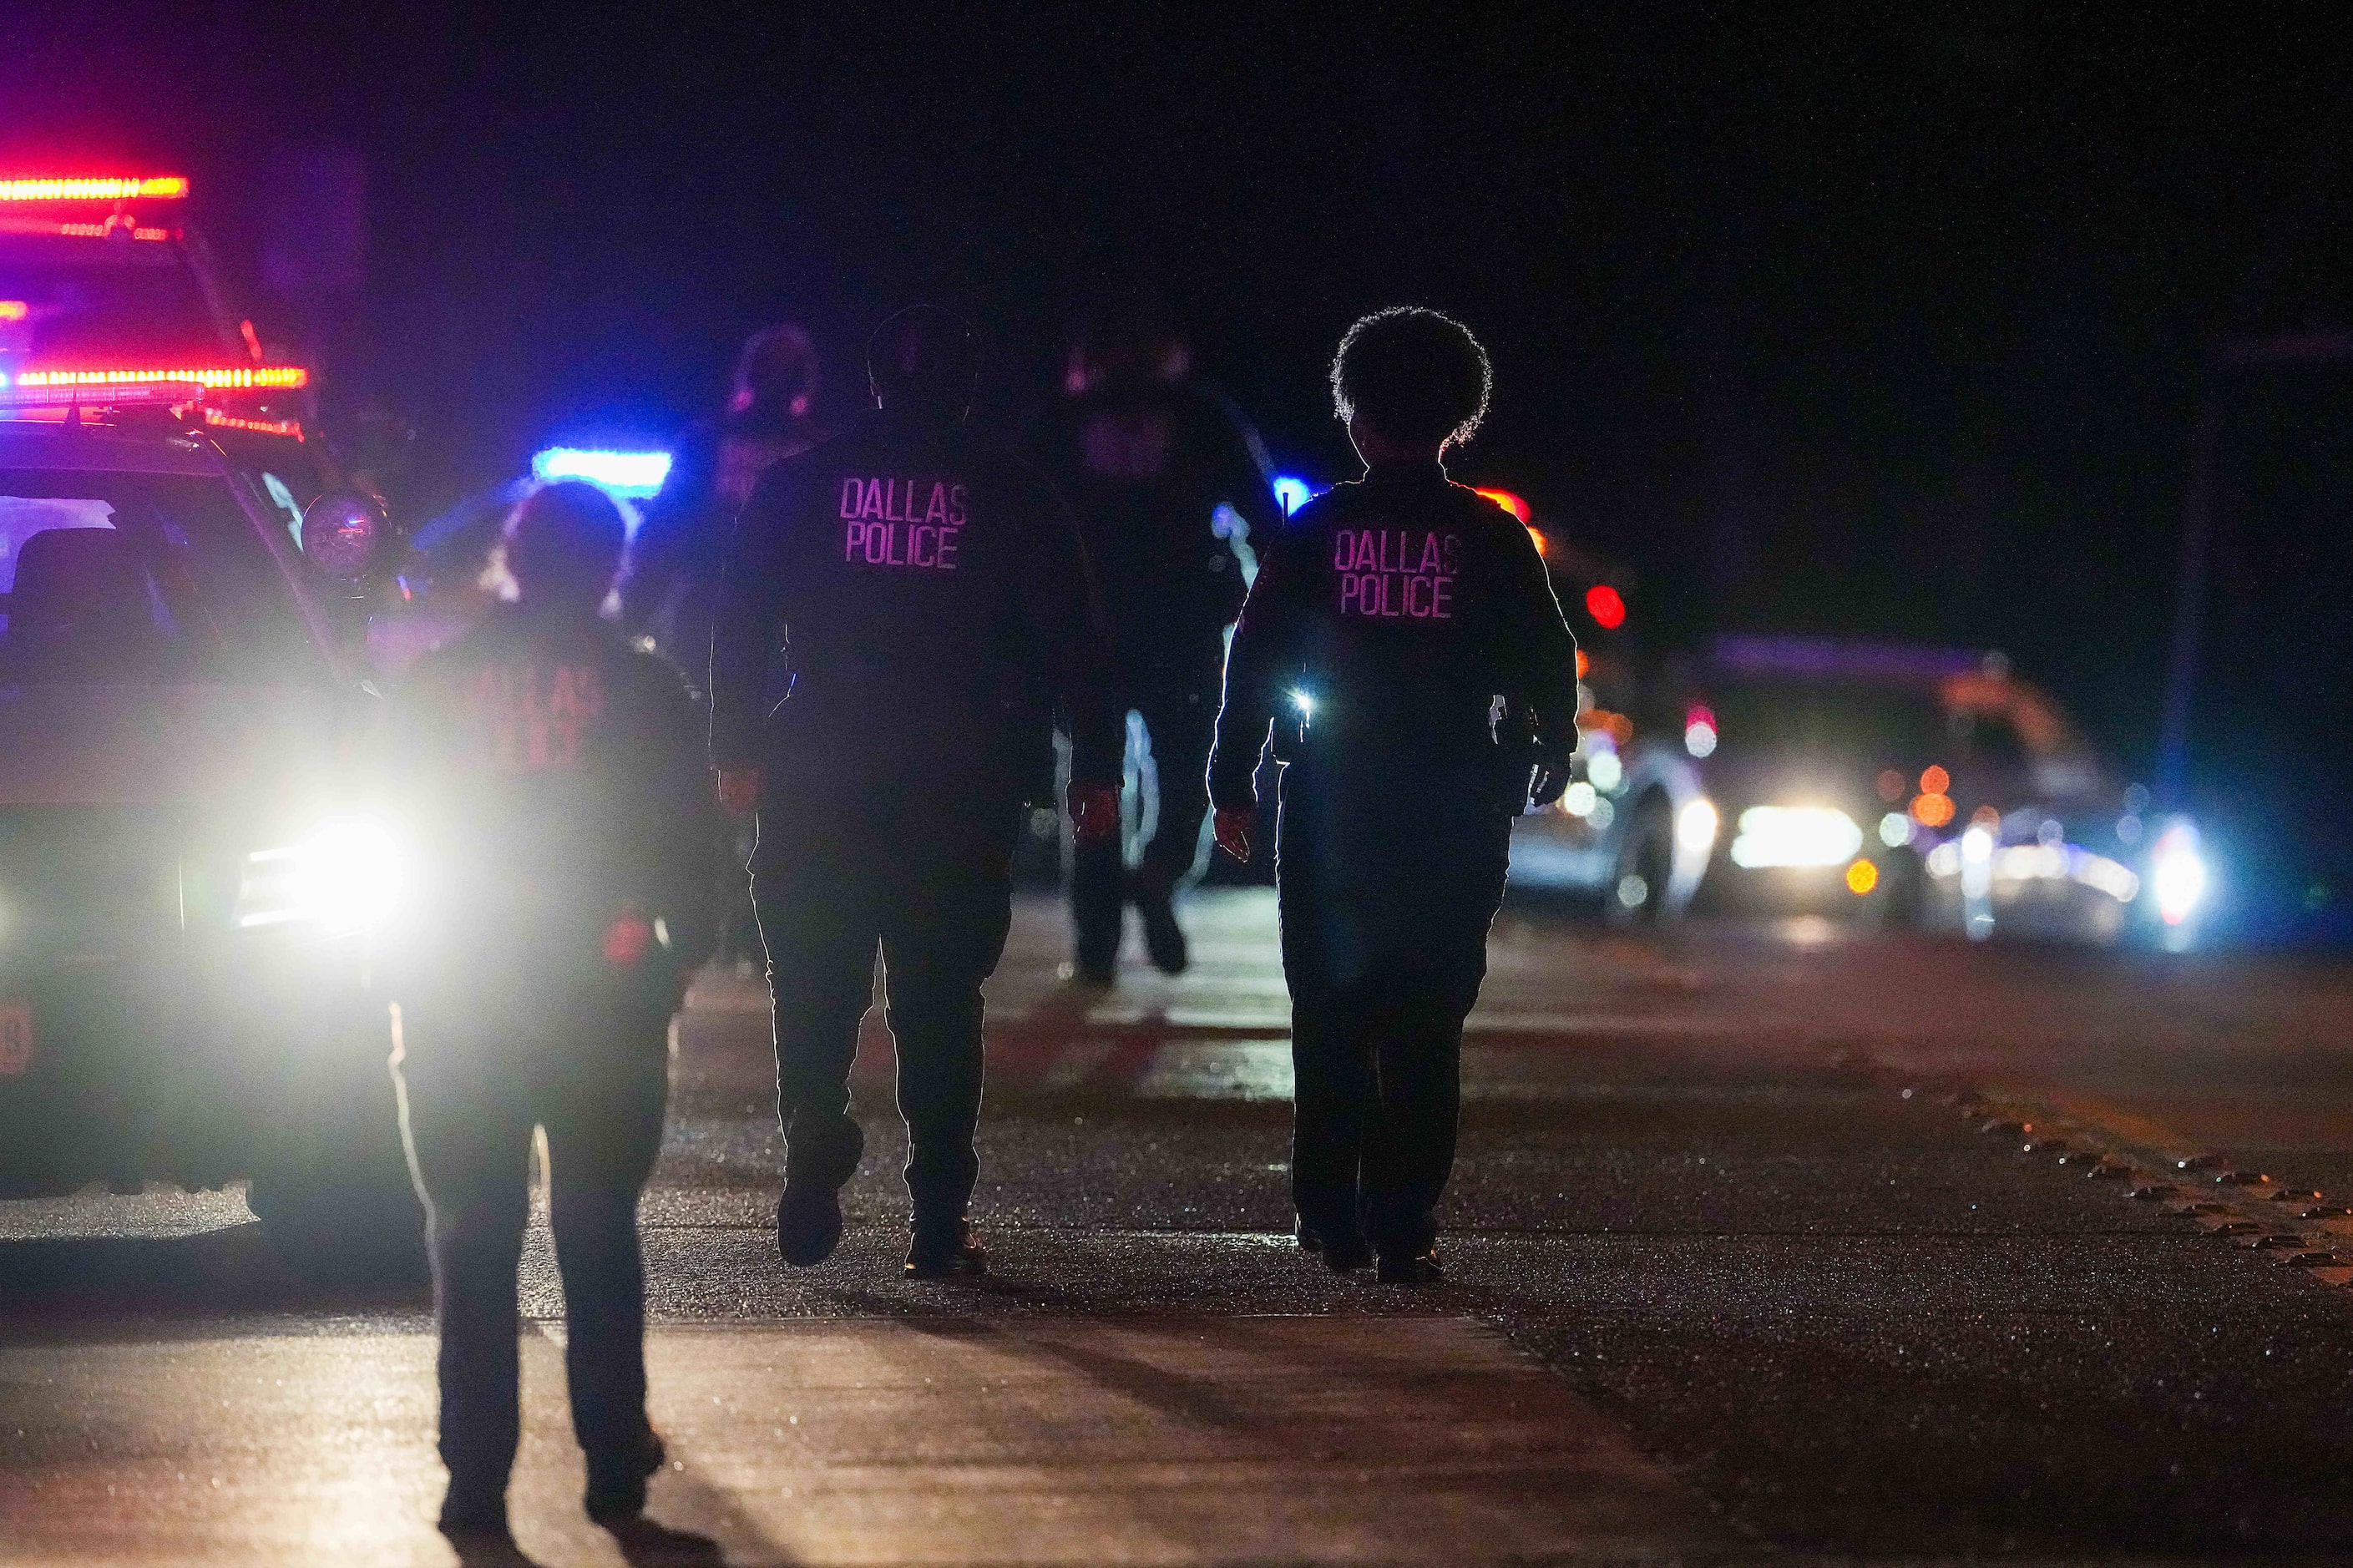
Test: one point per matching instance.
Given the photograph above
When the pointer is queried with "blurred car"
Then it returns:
(1924, 786)
(1633, 836)
(187, 881)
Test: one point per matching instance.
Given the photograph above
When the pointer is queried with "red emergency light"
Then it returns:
(219, 378)
(1509, 502)
(1606, 606)
(97, 189)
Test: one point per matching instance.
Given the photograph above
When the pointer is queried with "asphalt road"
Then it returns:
(1768, 1243)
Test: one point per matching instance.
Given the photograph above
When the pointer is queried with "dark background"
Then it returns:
(1880, 320)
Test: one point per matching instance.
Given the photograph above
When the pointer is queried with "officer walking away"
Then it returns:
(1403, 648)
(1148, 456)
(557, 799)
(772, 414)
(933, 603)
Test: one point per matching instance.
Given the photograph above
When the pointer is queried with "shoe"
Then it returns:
(1092, 976)
(617, 1490)
(1164, 939)
(1339, 1255)
(808, 1223)
(955, 1254)
(1411, 1269)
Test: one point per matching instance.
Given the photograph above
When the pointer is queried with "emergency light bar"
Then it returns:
(636, 475)
(228, 378)
(161, 187)
(1291, 493)
(143, 394)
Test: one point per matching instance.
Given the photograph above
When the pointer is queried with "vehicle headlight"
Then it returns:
(344, 878)
(1795, 835)
(1695, 825)
(2177, 872)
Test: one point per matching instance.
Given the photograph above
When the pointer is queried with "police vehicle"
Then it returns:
(1925, 787)
(187, 879)
(1633, 836)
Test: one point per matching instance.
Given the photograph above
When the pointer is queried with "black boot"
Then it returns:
(946, 1253)
(617, 1483)
(819, 1160)
(1340, 1253)
(1420, 1267)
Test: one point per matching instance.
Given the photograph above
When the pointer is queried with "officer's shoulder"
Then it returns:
(1324, 506)
(1480, 508)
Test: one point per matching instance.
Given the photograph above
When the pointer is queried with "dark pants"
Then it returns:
(1181, 723)
(936, 894)
(598, 1079)
(1390, 874)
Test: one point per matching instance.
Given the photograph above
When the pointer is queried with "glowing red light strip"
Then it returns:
(266, 426)
(163, 187)
(115, 225)
(265, 377)
(1508, 501)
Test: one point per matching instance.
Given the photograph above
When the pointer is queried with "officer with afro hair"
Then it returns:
(1402, 650)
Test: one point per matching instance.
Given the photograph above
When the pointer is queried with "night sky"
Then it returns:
(1879, 320)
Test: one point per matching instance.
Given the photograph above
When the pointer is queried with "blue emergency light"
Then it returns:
(637, 476)
(1291, 493)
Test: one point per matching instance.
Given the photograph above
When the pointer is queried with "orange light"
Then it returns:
(1511, 504)
(1604, 604)
(1617, 726)
(1986, 816)
(1932, 810)
(165, 188)
(265, 427)
(1584, 663)
(13, 310)
(1861, 877)
(1934, 779)
(1536, 538)
(220, 377)
(117, 224)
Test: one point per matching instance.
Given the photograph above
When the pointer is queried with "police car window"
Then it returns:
(1828, 719)
(112, 577)
(1988, 737)
(98, 297)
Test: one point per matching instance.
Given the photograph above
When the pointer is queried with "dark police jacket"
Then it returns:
(1385, 620)
(553, 781)
(1145, 467)
(932, 603)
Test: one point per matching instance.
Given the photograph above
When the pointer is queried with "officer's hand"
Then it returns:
(739, 790)
(1094, 812)
(1233, 827)
(1552, 781)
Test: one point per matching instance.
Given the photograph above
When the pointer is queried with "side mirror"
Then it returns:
(342, 532)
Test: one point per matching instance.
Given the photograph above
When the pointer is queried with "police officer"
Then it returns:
(1148, 456)
(1403, 646)
(565, 840)
(772, 414)
(934, 602)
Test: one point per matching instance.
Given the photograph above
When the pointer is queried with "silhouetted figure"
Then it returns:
(1386, 623)
(1146, 458)
(933, 603)
(772, 414)
(556, 796)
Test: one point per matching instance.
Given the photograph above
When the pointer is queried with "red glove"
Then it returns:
(1234, 826)
(1094, 812)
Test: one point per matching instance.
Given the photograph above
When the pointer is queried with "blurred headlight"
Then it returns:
(2177, 872)
(1695, 825)
(1795, 835)
(345, 878)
